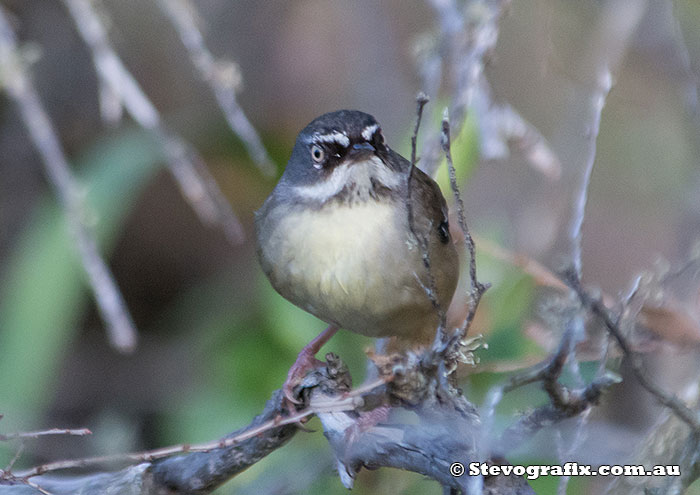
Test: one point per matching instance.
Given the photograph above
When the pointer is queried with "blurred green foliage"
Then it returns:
(45, 292)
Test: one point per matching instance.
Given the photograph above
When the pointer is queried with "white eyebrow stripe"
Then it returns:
(369, 131)
(334, 137)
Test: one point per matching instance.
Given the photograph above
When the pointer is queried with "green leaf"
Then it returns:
(44, 291)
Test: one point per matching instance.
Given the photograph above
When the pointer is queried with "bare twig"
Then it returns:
(528, 424)
(350, 401)
(477, 289)
(540, 273)
(14, 480)
(152, 455)
(120, 327)
(36, 487)
(607, 47)
(222, 77)
(187, 167)
(15, 458)
(501, 126)
(466, 37)
(421, 101)
(445, 432)
(598, 63)
(604, 83)
(422, 240)
(611, 323)
(53, 431)
(7, 476)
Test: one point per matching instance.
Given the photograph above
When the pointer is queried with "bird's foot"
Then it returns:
(306, 361)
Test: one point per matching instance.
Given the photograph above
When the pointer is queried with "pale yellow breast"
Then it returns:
(347, 264)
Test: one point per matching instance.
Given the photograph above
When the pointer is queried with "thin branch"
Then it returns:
(540, 273)
(599, 61)
(187, 167)
(421, 240)
(528, 424)
(604, 83)
(6, 474)
(466, 37)
(36, 487)
(544, 371)
(53, 431)
(13, 480)
(477, 289)
(502, 127)
(120, 327)
(15, 458)
(421, 101)
(669, 400)
(350, 401)
(222, 77)
(577, 136)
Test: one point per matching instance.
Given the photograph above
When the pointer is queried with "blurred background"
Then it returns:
(214, 338)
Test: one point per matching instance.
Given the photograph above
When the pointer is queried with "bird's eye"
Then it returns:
(317, 154)
(444, 232)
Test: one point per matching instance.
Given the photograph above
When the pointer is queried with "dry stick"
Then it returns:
(120, 327)
(346, 402)
(501, 127)
(467, 42)
(223, 78)
(540, 273)
(6, 474)
(598, 308)
(604, 84)
(562, 398)
(187, 167)
(15, 458)
(614, 30)
(669, 400)
(477, 288)
(575, 325)
(608, 44)
(13, 479)
(151, 455)
(421, 240)
(53, 431)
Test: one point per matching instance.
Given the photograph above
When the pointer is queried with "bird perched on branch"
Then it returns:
(341, 237)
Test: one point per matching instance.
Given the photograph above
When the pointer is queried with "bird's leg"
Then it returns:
(306, 361)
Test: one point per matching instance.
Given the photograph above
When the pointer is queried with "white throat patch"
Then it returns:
(358, 173)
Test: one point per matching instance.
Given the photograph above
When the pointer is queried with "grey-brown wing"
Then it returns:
(429, 204)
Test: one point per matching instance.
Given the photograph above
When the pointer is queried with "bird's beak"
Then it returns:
(361, 151)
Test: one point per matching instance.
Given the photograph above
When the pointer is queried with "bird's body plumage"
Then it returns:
(335, 240)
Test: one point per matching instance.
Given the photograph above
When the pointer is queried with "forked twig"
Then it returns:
(596, 307)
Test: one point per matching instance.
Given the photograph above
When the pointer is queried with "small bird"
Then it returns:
(334, 237)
